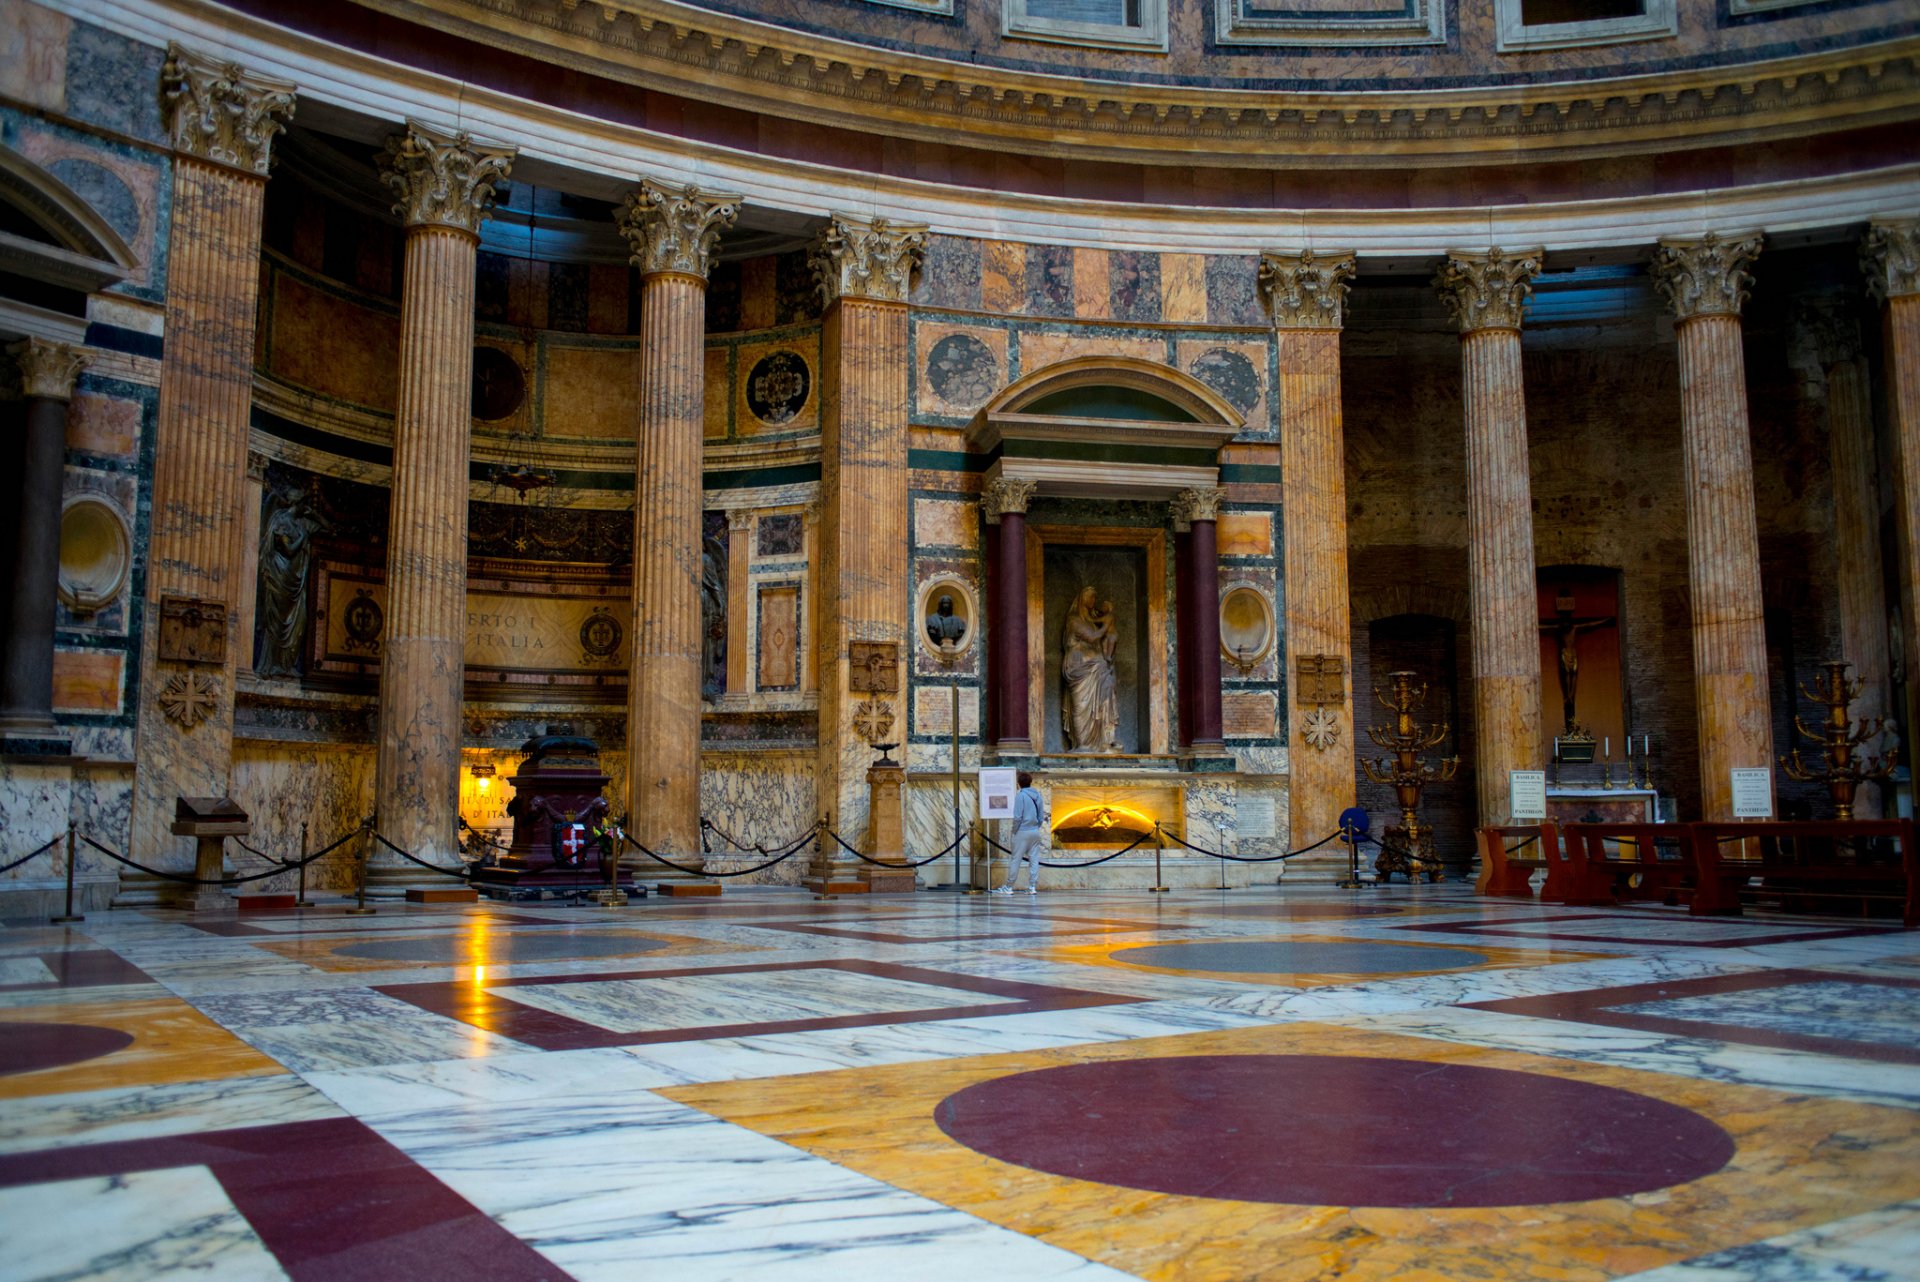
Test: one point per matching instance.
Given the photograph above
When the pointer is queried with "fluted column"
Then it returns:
(222, 121)
(1486, 292)
(47, 374)
(1196, 515)
(1890, 257)
(443, 184)
(672, 231)
(1705, 284)
(1833, 334)
(864, 269)
(1307, 292)
(1004, 504)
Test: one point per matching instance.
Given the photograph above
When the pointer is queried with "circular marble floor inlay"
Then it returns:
(27, 1048)
(1266, 957)
(1329, 1130)
(501, 950)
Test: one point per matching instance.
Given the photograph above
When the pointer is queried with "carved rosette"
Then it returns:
(1890, 256)
(441, 179)
(872, 259)
(1487, 290)
(189, 698)
(673, 229)
(1705, 277)
(47, 369)
(1003, 495)
(216, 112)
(1306, 290)
(1199, 504)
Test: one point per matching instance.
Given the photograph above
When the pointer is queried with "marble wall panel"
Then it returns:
(35, 802)
(102, 806)
(33, 54)
(328, 787)
(929, 822)
(778, 627)
(776, 395)
(1211, 812)
(1003, 277)
(950, 273)
(88, 680)
(1249, 714)
(759, 796)
(957, 368)
(945, 523)
(1092, 284)
(1245, 534)
(1039, 350)
(718, 402)
(104, 426)
(591, 392)
(756, 294)
(608, 285)
(110, 82)
(1232, 296)
(129, 186)
(933, 710)
(333, 345)
(1237, 371)
(1183, 287)
(1050, 280)
(1133, 277)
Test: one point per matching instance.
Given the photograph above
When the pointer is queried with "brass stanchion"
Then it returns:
(360, 908)
(300, 899)
(610, 895)
(69, 915)
(975, 848)
(1159, 886)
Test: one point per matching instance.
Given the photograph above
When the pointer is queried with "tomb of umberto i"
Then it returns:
(394, 379)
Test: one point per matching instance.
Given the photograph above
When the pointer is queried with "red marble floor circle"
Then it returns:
(28, 1048)
(1328, 1130)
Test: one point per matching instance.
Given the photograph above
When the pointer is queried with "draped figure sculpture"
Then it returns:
(286, 551)
(1090, 703)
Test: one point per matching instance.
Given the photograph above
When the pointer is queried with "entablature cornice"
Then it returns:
(754, 66)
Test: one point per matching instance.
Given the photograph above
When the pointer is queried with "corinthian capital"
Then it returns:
(673, 229)
(442, 179)
(1705, 277)
(1003, 495)
(1890, 256)
(858, 258)
(47, 369)
(218, 113)
(1487, 290)
(1199, 504)
(1306, 290)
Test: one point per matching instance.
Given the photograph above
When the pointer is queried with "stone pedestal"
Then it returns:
(886, 827)
(444, 184)
(672, 231)
(1705, 283)
(557, 805)
(222, 122)
(1486, 293)
(209, 821)
(1307, 293)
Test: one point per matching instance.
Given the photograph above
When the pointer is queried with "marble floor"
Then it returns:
(1287, 1082)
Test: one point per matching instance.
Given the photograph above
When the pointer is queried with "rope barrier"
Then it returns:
(1511, 850)
(757, 847)
(117, 857)
(883, 863)
(704, 872)
(411, 858)
(52, 842)
(1252, 859)
(288, 865)
(1044, 863)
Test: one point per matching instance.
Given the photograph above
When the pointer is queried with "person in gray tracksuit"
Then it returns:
(1029, 836)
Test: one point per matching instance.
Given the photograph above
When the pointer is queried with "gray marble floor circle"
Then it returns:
(502, 949)
(1267, 957)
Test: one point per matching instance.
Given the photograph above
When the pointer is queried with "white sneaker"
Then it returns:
(1033, 890)
(1003, 890)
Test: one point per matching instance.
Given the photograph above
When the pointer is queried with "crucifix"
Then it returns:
(1565, 629)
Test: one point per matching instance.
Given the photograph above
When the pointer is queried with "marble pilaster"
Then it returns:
(1004, 505)
(1487, 293)
(1890, 257)
(222, 121)
(47, 374)
(443, 185)
(1705, 285)
(864, 269)
(1308, 292)
(672, 232)
(249, 603)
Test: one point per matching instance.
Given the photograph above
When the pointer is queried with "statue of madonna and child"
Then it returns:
(1090, 698)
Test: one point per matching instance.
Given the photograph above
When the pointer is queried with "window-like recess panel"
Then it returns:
(1564, 24)
(1115, 24)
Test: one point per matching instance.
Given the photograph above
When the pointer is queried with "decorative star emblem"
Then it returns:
(1321, 729)
(874, 720)
(188, 698)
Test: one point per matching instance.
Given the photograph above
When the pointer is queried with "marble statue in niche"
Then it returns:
(713, 609)
(286, 553)
(1090, 708)
(945, 628)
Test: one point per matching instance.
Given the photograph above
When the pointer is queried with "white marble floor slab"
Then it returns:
(1880, 1246)
(127, 1228)
(145, 1112)
(1887, 1014)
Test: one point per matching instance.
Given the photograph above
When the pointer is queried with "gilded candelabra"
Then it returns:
(1839, 767)
(1409, 847)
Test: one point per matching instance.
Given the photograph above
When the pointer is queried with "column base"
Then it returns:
(688, 889)
(889, 881)
(386, 881)
(1014, 747)
(835, 881)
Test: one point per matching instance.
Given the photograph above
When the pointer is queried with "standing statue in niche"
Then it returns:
(286, 551)
(1090, 706)
(713, 618)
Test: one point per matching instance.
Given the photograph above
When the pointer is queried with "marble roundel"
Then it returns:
(777, 387)
(1267, 957)
(1229, 373)
(963, 370)
(1335, 1130)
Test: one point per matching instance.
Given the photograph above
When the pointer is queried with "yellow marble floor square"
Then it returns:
(1447, 958)
(172, 1042)
(1799, 1162)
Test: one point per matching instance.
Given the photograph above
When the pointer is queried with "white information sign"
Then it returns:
(1752, 793)
(1256, 816)
(997, 787)
(1527, 790)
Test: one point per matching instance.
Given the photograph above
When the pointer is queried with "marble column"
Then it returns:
(1196, 514)
(251, 500)
(1486, 292)
(1004, 505)
(1832, 335)
(221, 121)
(1890, 257)
(1705, 284)
(672, 232)
(443, 187)
(1307, 292)
(47, 374)
(865, 270)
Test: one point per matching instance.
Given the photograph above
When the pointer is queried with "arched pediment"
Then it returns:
(53, 235)
(1133, 387)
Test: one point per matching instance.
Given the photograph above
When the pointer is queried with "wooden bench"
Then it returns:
(1512, 853)
(1866, 860)
(1609, 863)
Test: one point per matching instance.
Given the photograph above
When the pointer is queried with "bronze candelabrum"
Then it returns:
(1409, 847)
(1839, 767)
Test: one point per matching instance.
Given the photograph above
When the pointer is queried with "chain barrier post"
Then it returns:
(975, 848)
(360, 908)
(610, 895)
(1159, 886)
(69, 915)
(300, 900)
